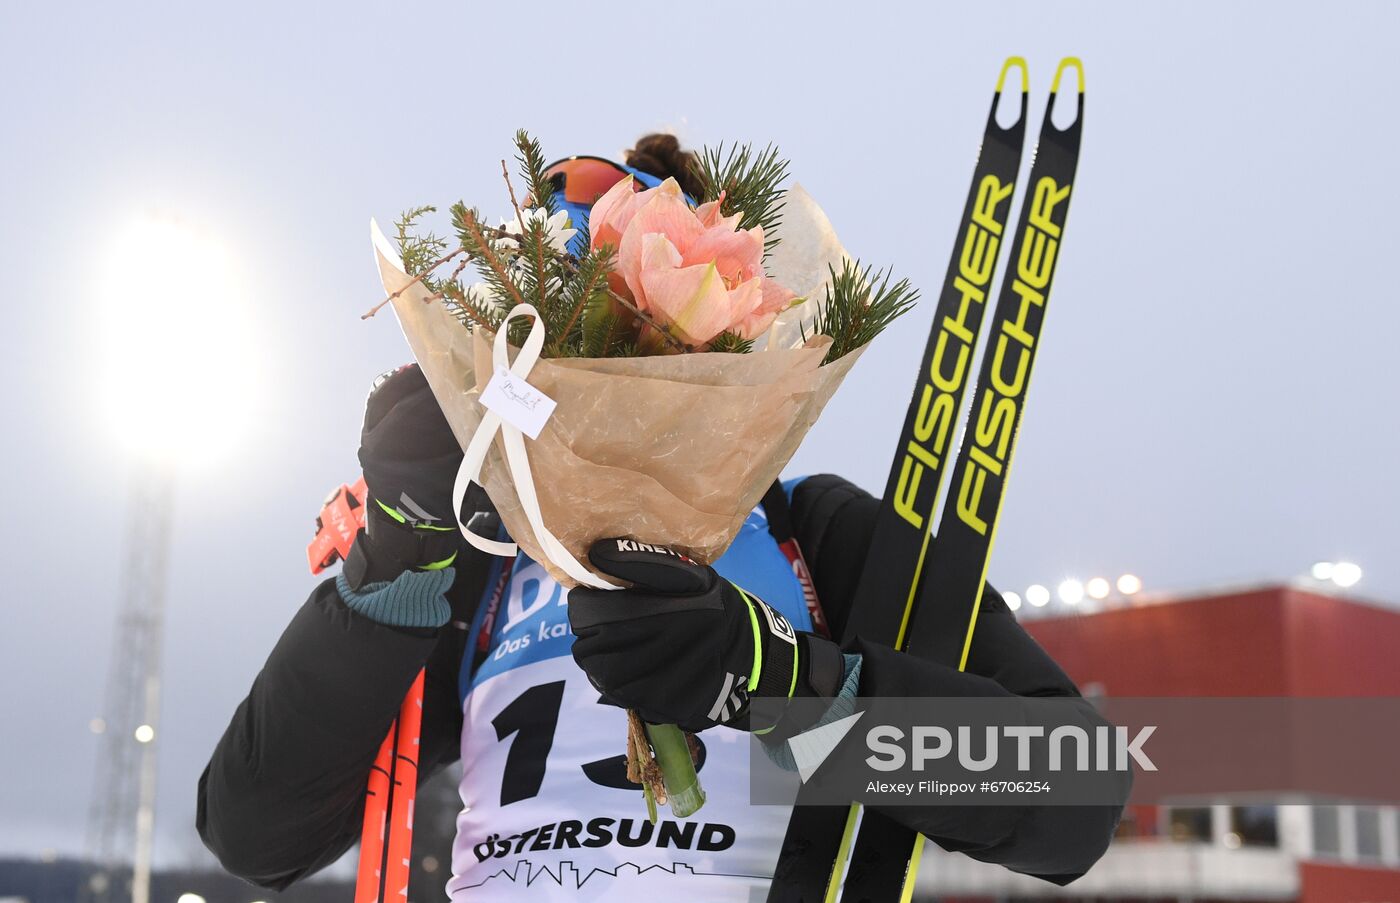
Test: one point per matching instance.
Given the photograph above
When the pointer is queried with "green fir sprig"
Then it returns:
(418, 252)
(859, 305)
(750, 181)
(479, 242)
(532, 166)
(583, 300)
(731, 343)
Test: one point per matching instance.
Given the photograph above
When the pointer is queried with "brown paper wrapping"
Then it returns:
(674, 449)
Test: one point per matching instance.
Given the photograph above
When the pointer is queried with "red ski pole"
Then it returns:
(386, 839)
(398, 853)
(368, 880)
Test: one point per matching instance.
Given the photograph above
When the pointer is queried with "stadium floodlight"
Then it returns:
(1071, 591)
(1129, 584)
(190, 898)
(1012, 601)
(1097, 588)
(177, 357)
(145, 733)
(1037, 595)
(1322, 570)
(1346, 574)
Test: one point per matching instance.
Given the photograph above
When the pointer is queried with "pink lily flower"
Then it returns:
(695, 270)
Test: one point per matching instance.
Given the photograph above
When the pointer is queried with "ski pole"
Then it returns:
(399, 843)
(367, 879)
(386, 838)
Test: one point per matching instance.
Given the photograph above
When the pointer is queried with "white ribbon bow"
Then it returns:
(516, 460)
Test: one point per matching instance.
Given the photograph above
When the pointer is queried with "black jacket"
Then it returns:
(283, 794)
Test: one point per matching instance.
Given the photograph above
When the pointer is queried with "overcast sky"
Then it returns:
(1214, 400)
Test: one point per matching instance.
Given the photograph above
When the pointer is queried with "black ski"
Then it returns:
(884, 863)
(813, 850)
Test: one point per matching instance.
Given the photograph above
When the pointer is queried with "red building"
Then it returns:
(1310, 844)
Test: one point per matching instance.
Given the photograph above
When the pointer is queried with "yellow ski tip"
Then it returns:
(1066, 63)
(1015, 62)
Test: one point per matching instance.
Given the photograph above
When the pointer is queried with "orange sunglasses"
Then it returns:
(583, 179)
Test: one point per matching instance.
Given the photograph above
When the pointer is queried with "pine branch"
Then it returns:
(599, 327)
(571, 267)
(415, 260)
(750, 182)
(859, 306)
(731, 343)
(584, 238)
(439, 288)
(532, 166)
(464, 302)
(585, 291)
(534, 237)
(418, 255)
(474, 239)
(469, 310)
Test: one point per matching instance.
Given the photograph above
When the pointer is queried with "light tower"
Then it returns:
(121, 822)
(175, 383)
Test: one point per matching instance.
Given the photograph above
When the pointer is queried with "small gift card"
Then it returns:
(517, 402)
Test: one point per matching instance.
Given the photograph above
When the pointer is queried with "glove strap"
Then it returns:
(775, 656)
(392, 548)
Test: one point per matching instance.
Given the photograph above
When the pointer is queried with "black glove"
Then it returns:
(678, 646)
(410, 459)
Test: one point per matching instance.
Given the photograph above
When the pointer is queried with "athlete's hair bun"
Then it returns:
(661, 155)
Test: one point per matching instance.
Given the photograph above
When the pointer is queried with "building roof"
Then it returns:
(1274, 640)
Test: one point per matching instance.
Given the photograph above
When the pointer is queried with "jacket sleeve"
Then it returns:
(833, 521)
(283, 794)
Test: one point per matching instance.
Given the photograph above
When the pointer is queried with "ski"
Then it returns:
(884, 862)
(813, 851)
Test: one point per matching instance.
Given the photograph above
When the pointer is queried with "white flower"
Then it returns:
(557, 231)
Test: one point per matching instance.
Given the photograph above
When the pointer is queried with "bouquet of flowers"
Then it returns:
(665, 360)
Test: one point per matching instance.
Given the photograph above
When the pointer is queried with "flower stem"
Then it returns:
(683, 790)
(651, 802)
